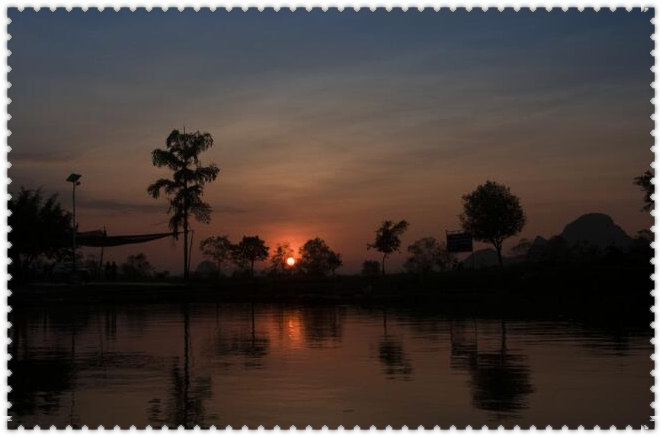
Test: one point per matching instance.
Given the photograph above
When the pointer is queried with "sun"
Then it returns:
(290, 261)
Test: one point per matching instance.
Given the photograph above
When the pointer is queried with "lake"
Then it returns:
(279, 364)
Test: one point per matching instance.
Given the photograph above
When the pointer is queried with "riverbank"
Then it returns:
(587, 286)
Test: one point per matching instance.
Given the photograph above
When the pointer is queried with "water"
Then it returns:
(269, 364)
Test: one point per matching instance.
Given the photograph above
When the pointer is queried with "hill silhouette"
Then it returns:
(598, 230)
(589, 230)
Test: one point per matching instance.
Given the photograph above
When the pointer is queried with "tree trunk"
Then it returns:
(384, 265)
(252, 265)
(498, 247)
(185, 246)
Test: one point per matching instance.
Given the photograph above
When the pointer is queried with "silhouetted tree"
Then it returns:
(218, 249)
(39, 227)
(387, 239)
(492, 214)
(249, 250)
(371, 268)
(136, 267)
(185, 189)
(317, 258)
(645, 182)
(427, 255)
(279, 259)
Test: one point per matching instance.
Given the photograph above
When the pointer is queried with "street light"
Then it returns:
(74, 179)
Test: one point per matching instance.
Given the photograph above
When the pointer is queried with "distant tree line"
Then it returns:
(42, 230)
(315, 257)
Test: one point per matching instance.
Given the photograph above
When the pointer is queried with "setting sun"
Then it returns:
(290, 261)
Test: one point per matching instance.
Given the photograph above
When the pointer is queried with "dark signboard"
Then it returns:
(459, 242)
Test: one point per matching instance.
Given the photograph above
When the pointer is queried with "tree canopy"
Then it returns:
(279, 258)
(645, 182)
(189, 176)
(492, 214)
(317, 258)
(387, 239)
(39, 227)
(248, 251)
(427, 255)
(219, 249)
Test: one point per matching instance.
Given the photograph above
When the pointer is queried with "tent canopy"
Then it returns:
(101, 239)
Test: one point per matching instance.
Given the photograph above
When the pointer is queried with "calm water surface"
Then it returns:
(271, 364)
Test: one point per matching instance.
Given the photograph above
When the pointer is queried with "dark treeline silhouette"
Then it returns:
(242, 255)
(491, 213)
(41, 232)
(315, 257)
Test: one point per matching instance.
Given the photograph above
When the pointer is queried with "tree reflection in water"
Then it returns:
(181, 368)
(185, 405)
(500, 381)
(322, 326)
(392, 355)
(40, 383)
(247, 344)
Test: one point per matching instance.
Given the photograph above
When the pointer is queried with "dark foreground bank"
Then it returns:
(594, 287)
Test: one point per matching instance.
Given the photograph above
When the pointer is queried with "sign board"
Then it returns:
(459, 242)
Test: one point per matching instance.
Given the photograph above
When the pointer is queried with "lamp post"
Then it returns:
(74, 179)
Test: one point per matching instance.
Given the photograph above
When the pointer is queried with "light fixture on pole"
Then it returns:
(74, 179)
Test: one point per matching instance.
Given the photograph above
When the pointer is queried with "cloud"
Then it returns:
(50, 155)
(113, 205)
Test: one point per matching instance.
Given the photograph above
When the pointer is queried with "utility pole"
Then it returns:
(75, 181)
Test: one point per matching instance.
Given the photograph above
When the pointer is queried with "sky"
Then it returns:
(325, 124)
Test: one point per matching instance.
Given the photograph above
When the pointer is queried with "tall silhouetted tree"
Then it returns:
(387, 239)
(39, 227)
(492, 214)
(279, 259)
(645, 181)
(249, 250)
(317, 258)
(427, 255)
(218, 249)
(189, 177)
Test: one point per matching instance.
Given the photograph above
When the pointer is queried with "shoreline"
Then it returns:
(609, 293)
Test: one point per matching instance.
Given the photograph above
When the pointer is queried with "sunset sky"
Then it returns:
(327, 123)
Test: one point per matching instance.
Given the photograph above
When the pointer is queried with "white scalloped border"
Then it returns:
(245, 6)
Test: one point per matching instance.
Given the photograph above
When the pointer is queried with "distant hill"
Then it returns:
(596, 230)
